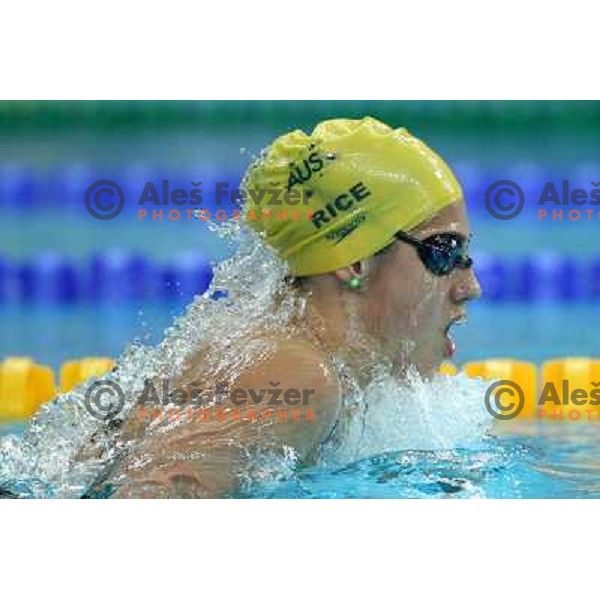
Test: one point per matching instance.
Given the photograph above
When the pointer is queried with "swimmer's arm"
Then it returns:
(212, 460)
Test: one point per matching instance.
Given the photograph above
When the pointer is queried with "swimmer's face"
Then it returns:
(409, 309)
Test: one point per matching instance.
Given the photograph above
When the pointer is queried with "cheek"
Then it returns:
(403, 297)
(423, 301)
(418, 307)
(406, 299)
(433, 297)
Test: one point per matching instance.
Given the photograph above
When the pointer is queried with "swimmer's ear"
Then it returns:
(347, 274)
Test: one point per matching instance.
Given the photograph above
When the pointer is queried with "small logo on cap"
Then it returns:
(341, 233)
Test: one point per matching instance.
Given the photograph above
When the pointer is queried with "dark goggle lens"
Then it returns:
(442, 253)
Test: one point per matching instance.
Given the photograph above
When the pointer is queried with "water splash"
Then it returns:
(64, 449)
(412, 414)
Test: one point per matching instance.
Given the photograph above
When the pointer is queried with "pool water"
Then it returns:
(522, 460)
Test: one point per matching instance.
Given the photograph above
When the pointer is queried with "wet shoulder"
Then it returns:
(296, 366)
(307, 391)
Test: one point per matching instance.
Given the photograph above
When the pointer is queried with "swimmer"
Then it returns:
(383, 271)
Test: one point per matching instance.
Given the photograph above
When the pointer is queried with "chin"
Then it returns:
(430, 365)
(428, 371)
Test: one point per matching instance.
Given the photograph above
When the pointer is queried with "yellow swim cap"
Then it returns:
(360, 179)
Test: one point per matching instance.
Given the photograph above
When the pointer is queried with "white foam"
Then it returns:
(445, 413)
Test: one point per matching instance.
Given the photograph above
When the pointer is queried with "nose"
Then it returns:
(466, 287)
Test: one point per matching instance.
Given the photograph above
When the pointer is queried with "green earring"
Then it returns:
(354, 284)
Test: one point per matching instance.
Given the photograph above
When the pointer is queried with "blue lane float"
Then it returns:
(106, 277)
(118, 275)
(49, 278)
(541, 277)
(474, 183)
(4, 280)
(115, 275)
(133, 180)
(21, 187)
(493, 275)
(67, 186)
(550, 277)
(185, 276)
(541, 187)
(64, 187)
(594, 282)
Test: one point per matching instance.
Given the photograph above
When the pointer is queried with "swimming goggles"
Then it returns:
(440, 253)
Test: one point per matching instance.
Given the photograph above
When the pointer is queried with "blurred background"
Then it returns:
(74, 286)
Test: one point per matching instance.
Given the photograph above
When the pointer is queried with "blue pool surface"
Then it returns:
(521, 460)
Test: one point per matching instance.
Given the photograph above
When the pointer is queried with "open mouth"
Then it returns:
(450, 347)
